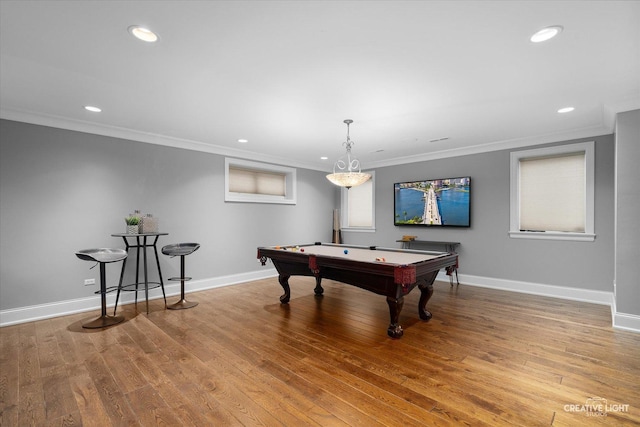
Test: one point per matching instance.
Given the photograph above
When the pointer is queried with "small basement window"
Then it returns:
(255, 182)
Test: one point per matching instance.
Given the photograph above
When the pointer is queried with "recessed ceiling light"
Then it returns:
(324, 158)
(566, 110)
(144, 34)
(546, 33)
(92, 108)
(243, 141)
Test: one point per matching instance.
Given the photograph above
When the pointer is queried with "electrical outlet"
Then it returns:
(88, 282)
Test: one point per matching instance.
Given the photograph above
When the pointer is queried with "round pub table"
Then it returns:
(141, 242)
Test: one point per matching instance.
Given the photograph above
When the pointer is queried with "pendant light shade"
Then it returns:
(346, 171)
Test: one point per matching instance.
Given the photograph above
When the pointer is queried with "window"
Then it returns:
(256, 182)
(358, 206)
(552, 193)
(253, 182)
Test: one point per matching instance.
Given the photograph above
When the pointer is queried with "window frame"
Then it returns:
(588, 148)
(290, 197)
(344, 204)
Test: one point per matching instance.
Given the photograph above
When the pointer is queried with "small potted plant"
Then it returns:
(132, 224)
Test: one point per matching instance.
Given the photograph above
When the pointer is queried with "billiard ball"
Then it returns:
(346, 251)
(301, 249)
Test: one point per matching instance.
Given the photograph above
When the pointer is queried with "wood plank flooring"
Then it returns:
(240, 358)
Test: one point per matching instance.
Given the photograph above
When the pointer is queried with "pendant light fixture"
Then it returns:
(346, 171)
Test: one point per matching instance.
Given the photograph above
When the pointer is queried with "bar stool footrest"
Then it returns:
(140, 286)
(106, 291)
(179, 279)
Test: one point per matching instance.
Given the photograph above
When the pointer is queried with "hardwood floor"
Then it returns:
(486, 358)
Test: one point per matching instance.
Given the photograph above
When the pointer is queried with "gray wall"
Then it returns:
(627, 265)
(62, 191)
(486, 249)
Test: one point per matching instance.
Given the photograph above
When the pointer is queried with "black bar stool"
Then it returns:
(103, 256)
(181, 250)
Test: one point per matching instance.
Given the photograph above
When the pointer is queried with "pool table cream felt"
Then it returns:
(368, 255)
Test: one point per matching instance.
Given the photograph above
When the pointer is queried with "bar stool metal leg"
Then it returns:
(104, 320)
(183, 303)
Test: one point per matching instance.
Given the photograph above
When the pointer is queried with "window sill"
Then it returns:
(552, 235)
(359, 230)
(257, 198)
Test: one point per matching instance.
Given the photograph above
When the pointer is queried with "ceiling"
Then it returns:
(285, 74)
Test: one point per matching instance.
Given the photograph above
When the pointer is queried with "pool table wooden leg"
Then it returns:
(426, 290)
(395, 306)
(284, 282)
(318, 289)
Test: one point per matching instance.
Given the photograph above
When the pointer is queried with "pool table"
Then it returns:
(389, 272)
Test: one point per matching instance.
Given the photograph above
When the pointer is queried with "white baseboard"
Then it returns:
(44, 311)
(562, 292)
(63, 308)
(627, 322)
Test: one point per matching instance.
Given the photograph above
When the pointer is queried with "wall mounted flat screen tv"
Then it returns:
(433, 203)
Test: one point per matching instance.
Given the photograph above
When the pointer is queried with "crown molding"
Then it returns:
(124, 133)
(147, 137)
(587, 132)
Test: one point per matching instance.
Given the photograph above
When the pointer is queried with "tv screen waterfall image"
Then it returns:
(436, 202)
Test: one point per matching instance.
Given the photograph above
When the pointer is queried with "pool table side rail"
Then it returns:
(309, 264)
(343, 246)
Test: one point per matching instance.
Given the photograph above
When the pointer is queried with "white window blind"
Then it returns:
(552, 193)
(256, 182)
(358, 206)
